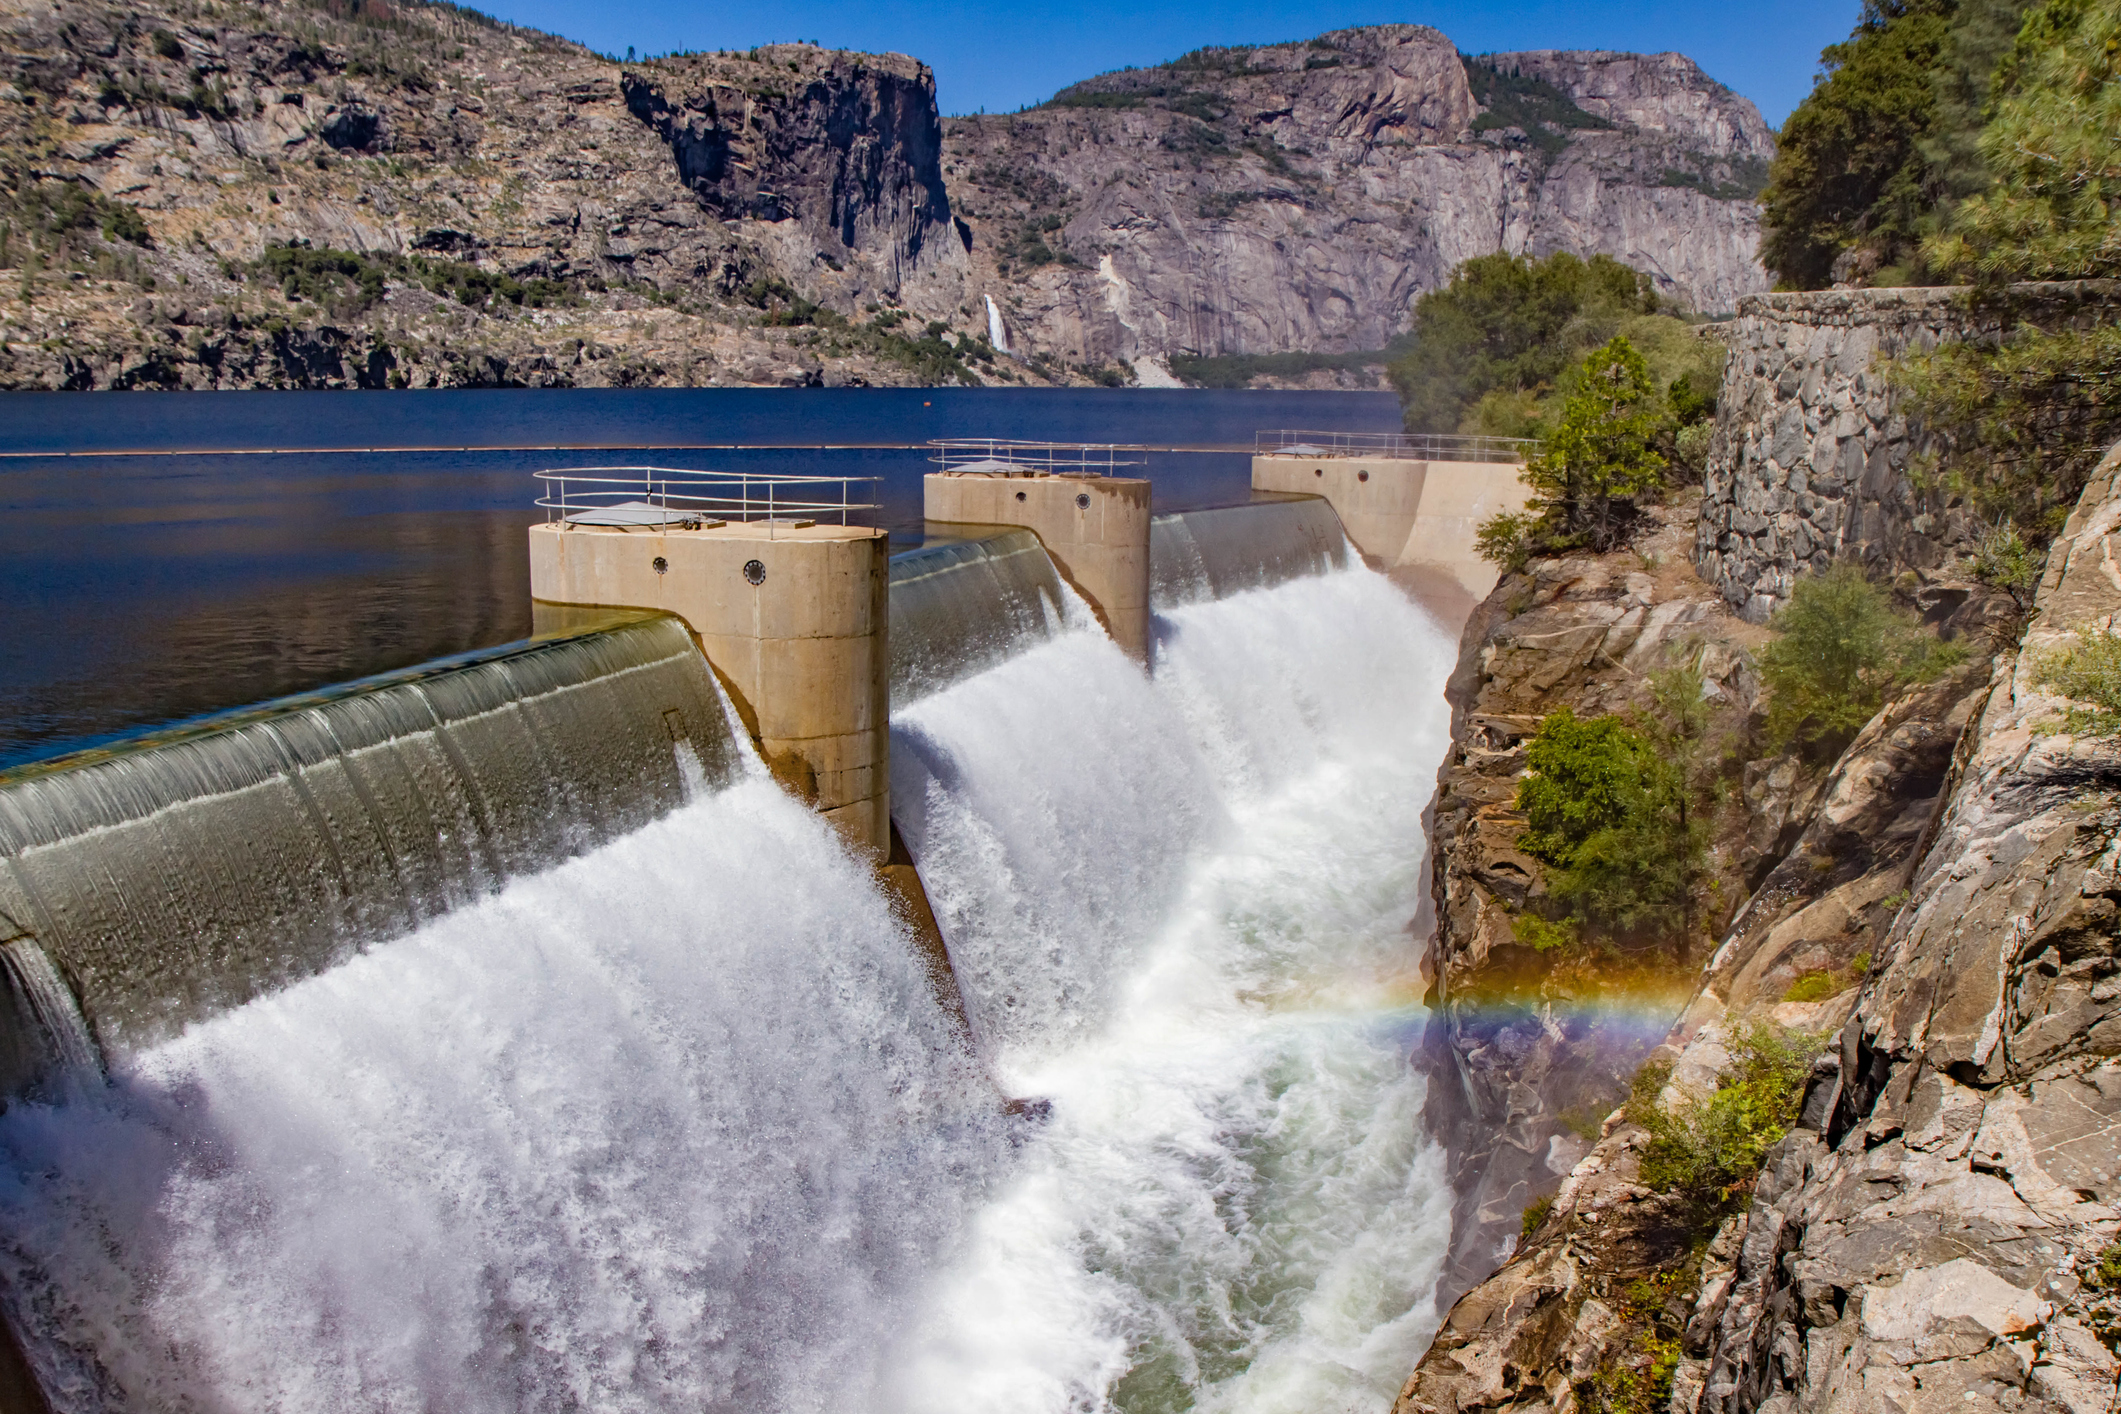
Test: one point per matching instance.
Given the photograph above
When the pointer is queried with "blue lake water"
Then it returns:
(142, 589)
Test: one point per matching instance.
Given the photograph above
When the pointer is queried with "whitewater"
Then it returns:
(678, 1124)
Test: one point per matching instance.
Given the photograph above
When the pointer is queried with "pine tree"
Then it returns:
(1602, 455)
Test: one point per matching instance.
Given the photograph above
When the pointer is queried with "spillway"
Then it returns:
(962, 605)
(197, 868)
(1223, 550)
(658, 1110)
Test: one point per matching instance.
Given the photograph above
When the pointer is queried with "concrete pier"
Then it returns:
(791, 615)
(1094, 527)
(1416, 515)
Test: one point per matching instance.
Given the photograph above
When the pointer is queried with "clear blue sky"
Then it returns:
(999, 56)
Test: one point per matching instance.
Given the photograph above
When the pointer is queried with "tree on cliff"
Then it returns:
(1585, 477)
(1884, 142)
(1509, 323)
(2055, 145)
(2030, 414)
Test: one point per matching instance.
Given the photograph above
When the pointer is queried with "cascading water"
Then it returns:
(678, 1123)
(675, 1125)
(959, 607)
(1181, 911)
(1219, 551)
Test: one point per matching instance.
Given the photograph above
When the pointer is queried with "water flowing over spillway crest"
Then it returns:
(670, 1118)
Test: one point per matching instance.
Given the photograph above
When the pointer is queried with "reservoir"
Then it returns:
(146, 589)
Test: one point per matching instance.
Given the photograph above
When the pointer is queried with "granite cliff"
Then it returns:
(486, 205)
(1299, 196)
(1935, 908)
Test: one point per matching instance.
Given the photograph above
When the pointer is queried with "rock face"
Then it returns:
(1930, 1237)
(1810, 459)
(1933, 1239)
(1524, 1058)
(783, 215)
(852, 156)
(586, 223)
(1299, 196)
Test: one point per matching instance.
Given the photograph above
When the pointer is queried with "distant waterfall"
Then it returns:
(997, 332)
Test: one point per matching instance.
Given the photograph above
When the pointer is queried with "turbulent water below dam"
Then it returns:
(678, 1124)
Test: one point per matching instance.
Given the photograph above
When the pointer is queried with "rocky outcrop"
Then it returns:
(1934, 1238)
(1811, 458)
(785, 214)
(1300, 196)
(576, 223)
(1938, 1231)
(853, 154)
(1525, 1057)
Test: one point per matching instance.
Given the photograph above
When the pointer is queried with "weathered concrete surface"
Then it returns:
(793, 619)
(1419, 517)
(1095, 529)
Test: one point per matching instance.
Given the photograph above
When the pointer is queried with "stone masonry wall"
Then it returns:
(1810, 457)
(1812, 449)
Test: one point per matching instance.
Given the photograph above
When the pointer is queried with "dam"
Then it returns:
(536, 1028)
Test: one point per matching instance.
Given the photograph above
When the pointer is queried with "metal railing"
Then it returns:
(1413, 446)
(666, 496)
(1038, 458)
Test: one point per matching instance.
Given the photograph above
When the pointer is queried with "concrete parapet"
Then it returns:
(1403, 514)
(792, 617)
(1095, 528)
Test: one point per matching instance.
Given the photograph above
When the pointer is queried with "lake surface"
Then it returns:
(143, 587)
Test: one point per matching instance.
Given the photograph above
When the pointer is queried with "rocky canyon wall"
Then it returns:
(792, 214)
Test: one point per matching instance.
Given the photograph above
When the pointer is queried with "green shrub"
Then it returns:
(1584, 775)
(2006, 562)
(2089, 674)
(1705, 1149)
(1535, 1215)
(1509, 322)
(1843, 651)
(1616, 814)
(1505, 540)
(1816, 987)
(1543, 934)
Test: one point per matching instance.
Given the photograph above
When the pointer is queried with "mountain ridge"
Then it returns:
(486, 205)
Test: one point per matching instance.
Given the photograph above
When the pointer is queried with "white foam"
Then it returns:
(1233, 1206)
(675, 1125)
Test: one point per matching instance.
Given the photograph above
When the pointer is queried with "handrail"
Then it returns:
(1413, 446)
(1036, 458)
(689, 498)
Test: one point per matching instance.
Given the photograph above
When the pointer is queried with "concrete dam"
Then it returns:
(979, 978)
